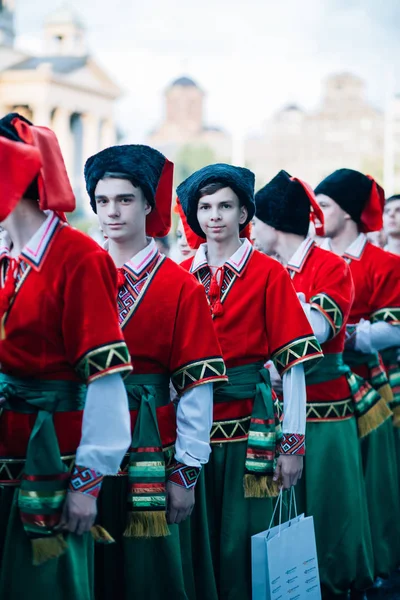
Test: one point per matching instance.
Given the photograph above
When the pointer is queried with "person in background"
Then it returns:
(391, 224)
(323, 282)
(159, 303)
(257, 316)
(352, 204)
(65, 419)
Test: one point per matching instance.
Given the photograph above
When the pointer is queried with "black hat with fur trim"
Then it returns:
(146, 168)
(286, 204)
(239, 179)
(348, 188)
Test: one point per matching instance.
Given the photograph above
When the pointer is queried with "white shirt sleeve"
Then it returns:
(294, 401)
(373, 337)
(319, 324)
(194, 417)
(106, 427)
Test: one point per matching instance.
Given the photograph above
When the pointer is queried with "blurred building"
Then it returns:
(345, 131)
(64, 88)
(184, 124)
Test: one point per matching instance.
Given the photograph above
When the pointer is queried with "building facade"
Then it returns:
(63, 89)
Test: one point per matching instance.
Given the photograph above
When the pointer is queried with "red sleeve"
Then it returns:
(196, 356)
(332, 292)
(385, 297)
(93, 340)
(290, 337)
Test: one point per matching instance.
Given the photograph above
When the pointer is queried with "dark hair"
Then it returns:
(394, 197)
(32, 191)
(112, 175)
(164, 241)
(212, 188)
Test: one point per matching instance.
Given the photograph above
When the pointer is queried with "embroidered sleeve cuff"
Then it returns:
(86, 481)
(112, 358)
(292, 443)
(330, 310)
(184, 475)
(305, 350)
(389, 315)
(209, 370)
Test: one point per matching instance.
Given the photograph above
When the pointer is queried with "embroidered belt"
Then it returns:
(392, 364)
(369, 408)
(377, 373)
(330, 411)
(262, 429)
(45, 477)
(147, 468)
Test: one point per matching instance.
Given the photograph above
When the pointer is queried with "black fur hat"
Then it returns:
(348, 188)
(240, 180)
(146, 168)
(284, 204)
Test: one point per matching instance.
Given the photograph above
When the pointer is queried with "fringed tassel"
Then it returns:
(44, 549)
(147, 524)
(217, 309)
(386, 393)
(262, 486)
(100, 535)
(377, 415)
(396, 416)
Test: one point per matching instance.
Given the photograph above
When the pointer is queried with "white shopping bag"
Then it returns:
(284, 559)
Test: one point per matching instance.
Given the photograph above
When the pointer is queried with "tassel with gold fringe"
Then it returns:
(396, 415)
(101, 536)
(385, 391)
(260, 486)
(46, 548)
(372, 419)
(147, 524)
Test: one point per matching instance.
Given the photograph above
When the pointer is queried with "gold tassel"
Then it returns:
(377, 415)
(260, 486)
(101, 536)
(45, 549)
(147, 524)
(396, 416)
(386, 393)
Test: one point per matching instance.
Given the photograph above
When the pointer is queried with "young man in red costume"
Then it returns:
(324, 283)
(59, 334)
(130, 189)
(352, 204)
(257, 316)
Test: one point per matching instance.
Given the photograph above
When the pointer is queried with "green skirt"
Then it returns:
(382, 485)
(135, 568)
(69, 577)
(332, 490)
(222, 524)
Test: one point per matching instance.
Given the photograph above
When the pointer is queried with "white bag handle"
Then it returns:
(292, 502)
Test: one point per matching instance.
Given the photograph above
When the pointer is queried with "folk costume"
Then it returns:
(257, 316)
(161, 305)
(373, 326)
(334, 396)
(62, 355)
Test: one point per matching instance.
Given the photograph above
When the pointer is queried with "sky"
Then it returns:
(251, 58)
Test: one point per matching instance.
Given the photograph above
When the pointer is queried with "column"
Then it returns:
(61, 125)
(108, 134)
(41, 115)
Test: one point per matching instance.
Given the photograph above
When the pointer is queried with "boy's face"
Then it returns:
(391, 218)
(183, 246)
(335, 217)
(121, 208)
(220, 215)
(263, 236)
